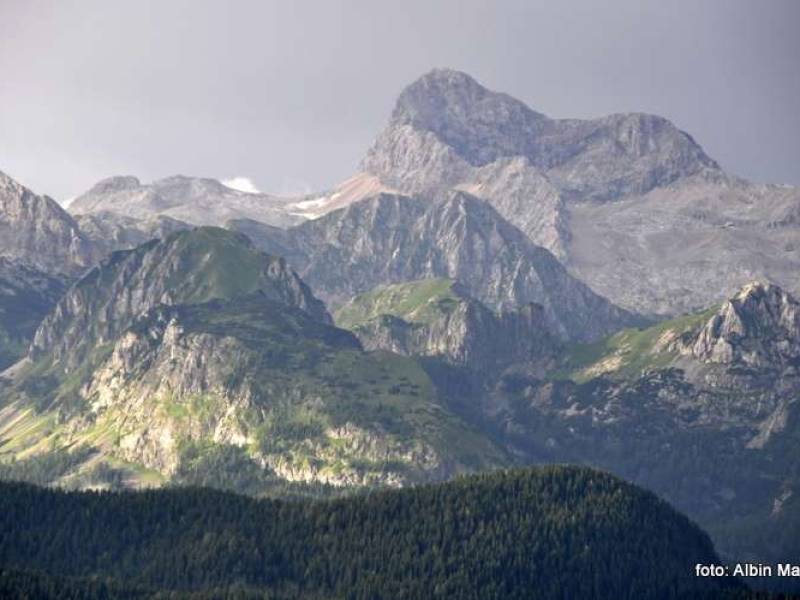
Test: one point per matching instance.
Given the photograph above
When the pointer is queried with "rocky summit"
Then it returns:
(759, 327)
(448, 115)
(195, 200)
(631, 204)
(200, 358)
(36, 231)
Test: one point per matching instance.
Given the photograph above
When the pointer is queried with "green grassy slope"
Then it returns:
(305, 395)
(630, 352)
(415, 301)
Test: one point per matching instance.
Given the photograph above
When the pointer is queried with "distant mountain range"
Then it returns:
(629, 203)
(495, 288)
(198, 201)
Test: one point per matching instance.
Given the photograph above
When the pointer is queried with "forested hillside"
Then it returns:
(554, 532)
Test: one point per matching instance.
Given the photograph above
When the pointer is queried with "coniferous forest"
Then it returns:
(554, 532)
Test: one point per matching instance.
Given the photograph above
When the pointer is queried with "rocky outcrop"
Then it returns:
(759, 327)
(629, 203)
(297, 398)
(186, 267)
(194, 200)
(36, 231)
(452, 326)
(110, 232)
(176, 376)
(390, 239)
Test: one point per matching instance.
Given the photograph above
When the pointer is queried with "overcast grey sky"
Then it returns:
(291, 93)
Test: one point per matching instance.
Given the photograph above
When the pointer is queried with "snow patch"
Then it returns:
(316, 203)
(241, 184)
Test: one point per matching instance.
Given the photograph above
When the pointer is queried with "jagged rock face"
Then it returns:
(479, 125)
(178, 376)
(197, 201)
(36, 231)
(297, 397)
(110, 231)
(748, 345)
(759, 327)
(596, 159)
(26, 296)
(703, 409)
(390, 239)
(629, 203)
(187, 267)
(526, 198)
(449, 325)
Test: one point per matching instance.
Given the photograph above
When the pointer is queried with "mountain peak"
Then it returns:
(479, 123)
(759, 326)
(9, 185)
(117, 183)
(448, 90)
(759, 291)
(187, 267)
(36, 231)
(445, 124)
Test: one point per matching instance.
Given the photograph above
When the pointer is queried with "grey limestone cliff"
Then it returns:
(631, 204)
(36, 231)
(437, 318)
(390, 239)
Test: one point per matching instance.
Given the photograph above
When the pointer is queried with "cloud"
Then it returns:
(243, 184)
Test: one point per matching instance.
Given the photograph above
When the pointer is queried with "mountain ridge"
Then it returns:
(196, 200)
(629, 203)
(168, 359)
(389, 238)
(36, 231)
(484, 126)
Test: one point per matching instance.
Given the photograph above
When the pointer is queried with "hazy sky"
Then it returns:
(290, 94)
